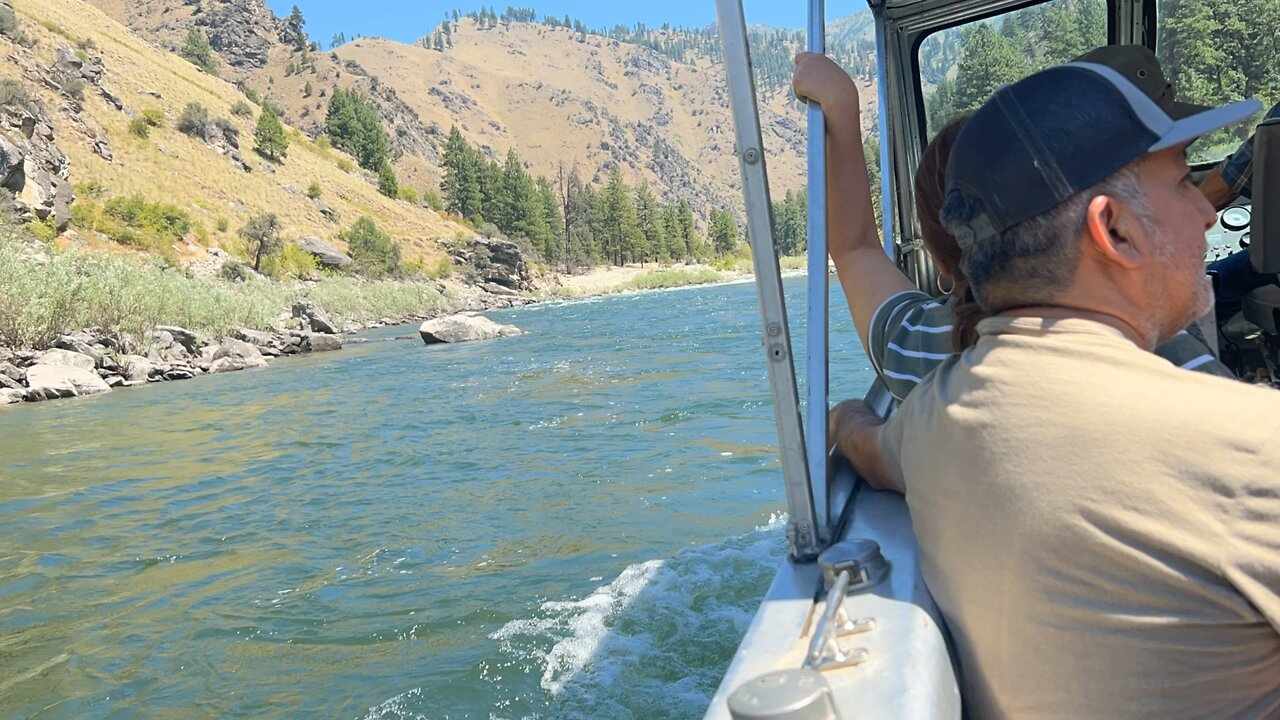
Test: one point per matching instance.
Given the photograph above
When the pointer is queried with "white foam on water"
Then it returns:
(655, 641)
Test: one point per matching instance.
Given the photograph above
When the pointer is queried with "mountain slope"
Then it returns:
(174, 167)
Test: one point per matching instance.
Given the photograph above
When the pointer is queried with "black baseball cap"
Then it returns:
(1053, 134)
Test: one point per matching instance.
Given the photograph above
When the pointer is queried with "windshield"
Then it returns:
(961, 67)
(1216, 52)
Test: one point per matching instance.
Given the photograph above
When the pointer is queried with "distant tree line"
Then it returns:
(772, 50)
(573, 223)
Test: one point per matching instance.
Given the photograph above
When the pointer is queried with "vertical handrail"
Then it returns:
(816, 385)
(882, 122)
(802, 528)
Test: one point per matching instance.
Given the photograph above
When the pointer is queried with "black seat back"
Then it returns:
(1264, 240)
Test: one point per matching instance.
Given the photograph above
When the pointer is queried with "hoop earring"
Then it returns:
(946, 290)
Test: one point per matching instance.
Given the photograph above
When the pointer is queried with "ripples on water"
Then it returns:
(574, 523)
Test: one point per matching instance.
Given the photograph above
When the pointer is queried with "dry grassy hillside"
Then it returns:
(173, 167)
(594, 103)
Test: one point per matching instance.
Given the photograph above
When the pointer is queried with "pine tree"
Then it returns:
(338, 40)
(653, 238)
(353, 126)
(198, 52)
(387, 183)
(307, 89)
(269, 138)
(294, 30)
(724, 232)
(688, 230)
(987, 62)
(461, 185)
(623, 230)
(554, 218)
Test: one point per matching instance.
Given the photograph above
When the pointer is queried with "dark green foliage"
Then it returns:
(790, 223)
(269, 138)
(193, 119)
(724, 232)
(262, 233)
(138, 127)
(1219, 51)
(306, 89)
(313, 190)
(373, 251)
(353, 126)
(198, 52)
(241, 109)
(387, 183)
(338, 39)
(461, 186)
(293, 32)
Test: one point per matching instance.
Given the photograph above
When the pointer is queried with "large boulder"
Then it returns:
(496, 261)
(187, 339)
(314, 318)
(463, 328)
(57, 380)
(63, 358)
(236, 355)
(9, 397)
(319, 342)
(326, 254)
(136, 369)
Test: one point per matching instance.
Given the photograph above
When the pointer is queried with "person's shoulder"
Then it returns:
(910, 333)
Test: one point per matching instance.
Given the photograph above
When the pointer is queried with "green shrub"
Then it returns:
(313, 190)
(74, 87)
(198, 51)
(193, 119)
(346, 165)
(387, 183)
(408, 194)
(222, 224)
(323, 143)
(241, 109)
(153, 117)
(656, 279)
(86, 43)
(432, 199)
(84, 214)
(90, 188)
(11, 91)
(234, 271)
(138, 127)
(291, 262)
(43, 230)
(162, 219)
(373, 251)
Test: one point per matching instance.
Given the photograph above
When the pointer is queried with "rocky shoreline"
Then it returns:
(90, 362)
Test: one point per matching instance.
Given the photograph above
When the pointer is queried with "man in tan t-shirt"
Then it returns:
(1100, 529)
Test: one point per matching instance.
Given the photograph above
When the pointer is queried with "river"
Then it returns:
(573, 523)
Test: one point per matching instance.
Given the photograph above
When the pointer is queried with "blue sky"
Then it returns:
(408, 21)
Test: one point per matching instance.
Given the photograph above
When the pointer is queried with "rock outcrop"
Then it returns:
(242, 31)
(32, 166)
(314, 318)
(463, 328)
(497, 261)
(326, 254)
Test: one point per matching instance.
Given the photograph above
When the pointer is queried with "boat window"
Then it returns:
(1219, 52)
(961, 67)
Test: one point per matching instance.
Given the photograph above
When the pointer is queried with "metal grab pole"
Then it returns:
(816, 327)
(882, 121)
(803, 526)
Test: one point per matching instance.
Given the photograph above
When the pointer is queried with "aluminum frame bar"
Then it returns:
(803, 528)
(818, 318)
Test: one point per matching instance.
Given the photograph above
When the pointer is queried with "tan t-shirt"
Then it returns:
(1100, 529)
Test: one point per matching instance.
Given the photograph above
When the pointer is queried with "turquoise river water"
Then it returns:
(573, 523)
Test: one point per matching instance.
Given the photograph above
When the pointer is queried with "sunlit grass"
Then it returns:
(127, 296)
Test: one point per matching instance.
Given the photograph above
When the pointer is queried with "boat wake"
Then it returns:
(654, 642)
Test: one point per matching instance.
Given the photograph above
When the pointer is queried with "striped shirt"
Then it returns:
(910, 335)
(1237, 169)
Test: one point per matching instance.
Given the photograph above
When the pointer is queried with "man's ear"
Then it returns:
(1114, 233)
